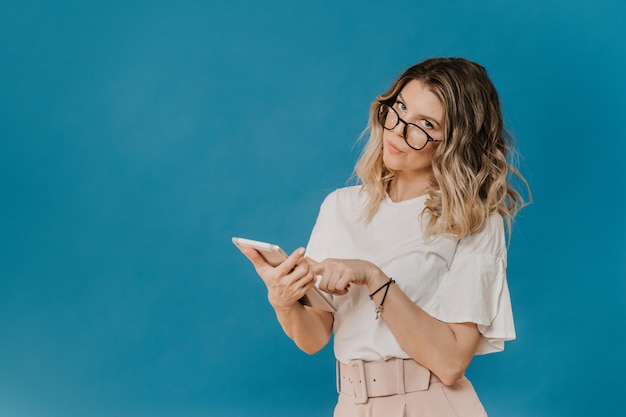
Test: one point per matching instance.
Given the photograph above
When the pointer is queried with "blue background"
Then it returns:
(138, 137)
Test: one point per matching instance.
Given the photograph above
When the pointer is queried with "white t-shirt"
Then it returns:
(454, 281)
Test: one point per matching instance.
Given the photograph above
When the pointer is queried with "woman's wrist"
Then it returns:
(376, 281)
(383, 289)
(286, 309)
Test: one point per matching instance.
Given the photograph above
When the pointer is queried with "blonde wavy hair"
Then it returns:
(471, 169)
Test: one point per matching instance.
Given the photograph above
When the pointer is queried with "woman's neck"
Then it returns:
(402, 189)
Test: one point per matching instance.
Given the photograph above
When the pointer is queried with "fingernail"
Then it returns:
(301, 251)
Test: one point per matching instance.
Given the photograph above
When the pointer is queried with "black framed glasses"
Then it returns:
(414, 136)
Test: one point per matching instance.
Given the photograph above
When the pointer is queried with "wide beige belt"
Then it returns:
(362, 380)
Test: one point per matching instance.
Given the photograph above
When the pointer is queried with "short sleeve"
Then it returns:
(475, 288)
(316, 247)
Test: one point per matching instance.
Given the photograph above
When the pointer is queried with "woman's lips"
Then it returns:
(393, 148)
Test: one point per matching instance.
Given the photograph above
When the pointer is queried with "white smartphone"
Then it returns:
(274, 256)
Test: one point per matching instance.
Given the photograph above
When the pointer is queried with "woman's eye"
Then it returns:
(401, 105)
(427, 124)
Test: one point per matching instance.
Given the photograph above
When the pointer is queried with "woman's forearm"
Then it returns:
(444, 348)
(308, 327)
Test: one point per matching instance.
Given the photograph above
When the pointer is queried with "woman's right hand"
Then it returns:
(287, 282)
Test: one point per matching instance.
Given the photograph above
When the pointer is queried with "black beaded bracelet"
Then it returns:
(379, 307)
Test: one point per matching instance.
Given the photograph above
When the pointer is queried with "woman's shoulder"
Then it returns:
(347, 193)
(347, 197)
(489, 239)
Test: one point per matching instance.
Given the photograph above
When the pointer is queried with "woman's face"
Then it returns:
(418, 105)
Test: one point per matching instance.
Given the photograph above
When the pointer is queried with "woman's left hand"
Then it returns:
(338, 274)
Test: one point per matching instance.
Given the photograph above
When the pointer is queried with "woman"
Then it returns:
(414, 258)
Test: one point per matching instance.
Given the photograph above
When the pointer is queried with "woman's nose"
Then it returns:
(399, 129)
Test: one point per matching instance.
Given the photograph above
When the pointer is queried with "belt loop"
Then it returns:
(400, 375)
(358, 381)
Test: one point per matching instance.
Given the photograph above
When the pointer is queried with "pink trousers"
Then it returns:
(401, 388)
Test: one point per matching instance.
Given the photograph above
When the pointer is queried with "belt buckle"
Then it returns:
(358, 381)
